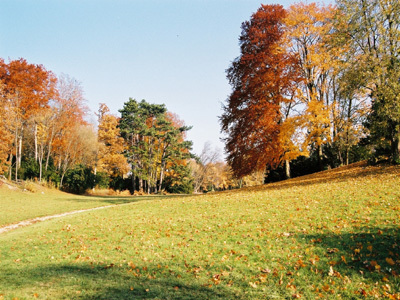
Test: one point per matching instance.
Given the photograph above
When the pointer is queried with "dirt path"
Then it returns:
(40, 219)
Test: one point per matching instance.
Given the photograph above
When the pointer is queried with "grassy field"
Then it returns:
(334, 235)
(18, 204)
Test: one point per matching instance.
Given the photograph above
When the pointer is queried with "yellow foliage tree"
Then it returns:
(308, 27)
(111, 159)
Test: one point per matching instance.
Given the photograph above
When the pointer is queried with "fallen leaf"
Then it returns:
(253, 285)
(326, 288)
(390, 261)
(266, 270)
(343, 259)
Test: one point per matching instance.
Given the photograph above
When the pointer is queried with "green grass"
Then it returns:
(331, 236)
(17, 204)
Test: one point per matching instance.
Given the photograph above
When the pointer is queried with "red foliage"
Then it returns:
(29, 86)
(261, 77)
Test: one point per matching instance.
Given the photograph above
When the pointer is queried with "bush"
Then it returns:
(102, 180)
(79, 179)
(30, 186)
(181, 182)
(29, 169)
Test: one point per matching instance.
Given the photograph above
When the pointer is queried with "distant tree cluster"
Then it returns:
(314, 87)
(42, 123)
(45, 136)
(156, 148)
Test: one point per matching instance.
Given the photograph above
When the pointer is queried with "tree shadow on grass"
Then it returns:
(125, 199)
(373, 253)
(92, 281)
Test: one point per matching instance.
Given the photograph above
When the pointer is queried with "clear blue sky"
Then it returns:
(164, 51)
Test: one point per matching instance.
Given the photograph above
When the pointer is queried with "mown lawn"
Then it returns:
(331, 236)
(18, 204)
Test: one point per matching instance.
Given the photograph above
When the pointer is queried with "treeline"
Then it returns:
(42, 123)
(45, 136)
(315, 87)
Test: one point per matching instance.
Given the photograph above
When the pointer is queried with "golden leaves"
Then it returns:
(253, 285)
(390, 261)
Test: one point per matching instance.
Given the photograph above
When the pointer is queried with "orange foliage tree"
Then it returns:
(28, 88)
(5, 126)
(262, 78)
(73, 140)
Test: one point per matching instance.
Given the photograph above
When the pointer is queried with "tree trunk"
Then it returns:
(320, 154)
(140, 185)
(20, 151)
(40, 158)
(161, 177)
(36, 143)
(10, 167)
(16, 155)
(61, 181)
(396, 149)
(40, 170)
(49, 149)
(287, 169)
(133, 183)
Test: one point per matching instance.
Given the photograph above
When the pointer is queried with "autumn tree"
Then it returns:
(28, 89)
(201, 166)
(111, 159)
(5, 129)
(371, 30)
(71, 139)
(262, 79)
(173, 149)
(307, 36)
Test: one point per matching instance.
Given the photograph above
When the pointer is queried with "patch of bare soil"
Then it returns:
(40, 219)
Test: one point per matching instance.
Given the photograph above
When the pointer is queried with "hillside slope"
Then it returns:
(332, 235)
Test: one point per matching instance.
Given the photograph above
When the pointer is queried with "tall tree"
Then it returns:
(136, 123)
(307, 35)
(173, 148)
(28, 89)
(261, 78)
(152, 140)
(111, 145)
(371, 29)
(6, 138)
(71, 139)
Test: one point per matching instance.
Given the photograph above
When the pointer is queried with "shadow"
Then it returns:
(84, 280)
(125, 199)
(372, 253)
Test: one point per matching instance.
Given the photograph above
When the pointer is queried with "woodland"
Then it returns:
(314, 87)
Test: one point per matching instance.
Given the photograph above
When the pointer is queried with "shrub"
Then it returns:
(79, 179)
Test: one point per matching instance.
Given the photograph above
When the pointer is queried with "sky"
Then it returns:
(173, 52)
